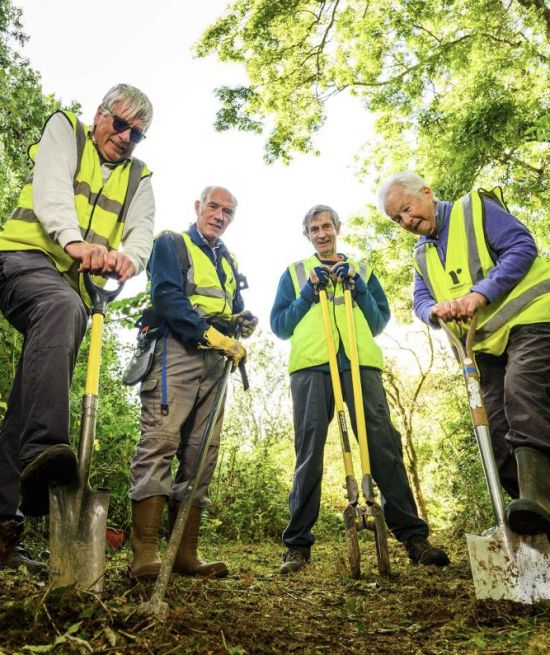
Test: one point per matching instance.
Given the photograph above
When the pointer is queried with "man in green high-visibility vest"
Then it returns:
(296, 315)
(86, 196)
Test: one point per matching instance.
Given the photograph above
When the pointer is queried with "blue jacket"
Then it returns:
(288, 311)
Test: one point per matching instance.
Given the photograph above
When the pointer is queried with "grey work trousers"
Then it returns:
(192, 379)
(516, 391)
(52, 318)
(313, 402)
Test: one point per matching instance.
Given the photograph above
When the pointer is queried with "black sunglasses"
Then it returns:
(120, 125)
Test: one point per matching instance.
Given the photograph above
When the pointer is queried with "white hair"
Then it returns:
(409, 180)
(206, 192)
(138, 103)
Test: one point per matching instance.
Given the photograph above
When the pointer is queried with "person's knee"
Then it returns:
(65, 314)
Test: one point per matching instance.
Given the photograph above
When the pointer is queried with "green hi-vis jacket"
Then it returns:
(101, 207)
(308, 344)
(527, 302)
(203, 287)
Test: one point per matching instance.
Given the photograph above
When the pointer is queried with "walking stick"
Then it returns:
(156, 606)
(355, 516)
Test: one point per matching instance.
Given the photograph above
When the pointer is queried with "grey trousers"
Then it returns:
(516, 391)
(192, 378)
(313, 402)
(41, 305)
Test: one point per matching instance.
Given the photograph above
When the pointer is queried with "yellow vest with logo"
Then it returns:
(101, 207)
(468, 261)
(203, 286)
(308, 344)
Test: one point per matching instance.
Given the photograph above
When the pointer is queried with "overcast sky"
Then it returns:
(82, 49)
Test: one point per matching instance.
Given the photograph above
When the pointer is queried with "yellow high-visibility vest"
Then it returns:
(468, 260)
(203, 286)
(101, 207)
(308, 343)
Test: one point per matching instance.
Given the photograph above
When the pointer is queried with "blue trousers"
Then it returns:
(313, 403)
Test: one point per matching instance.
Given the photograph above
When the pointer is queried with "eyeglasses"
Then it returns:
(120, 125)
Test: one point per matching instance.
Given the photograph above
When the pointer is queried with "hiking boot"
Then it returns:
(56, 465)
(144, 539)
(421, 551)
(12, 553)
(20, 556)
(294, 559)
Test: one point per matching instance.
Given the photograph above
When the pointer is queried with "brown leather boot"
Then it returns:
(187, 561)
(146, 516)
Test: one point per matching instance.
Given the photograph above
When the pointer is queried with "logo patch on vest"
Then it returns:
(456, 285)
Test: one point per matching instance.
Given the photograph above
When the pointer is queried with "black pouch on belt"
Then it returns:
(151, 328)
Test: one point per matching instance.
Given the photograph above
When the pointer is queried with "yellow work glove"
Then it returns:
(226, 345)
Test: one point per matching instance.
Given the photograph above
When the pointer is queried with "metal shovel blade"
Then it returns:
(507, 566)
(352, 542)
(381, 536)
(78, 524)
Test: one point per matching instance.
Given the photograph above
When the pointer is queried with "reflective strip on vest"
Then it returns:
(474, 261)
(510, 310)
(203, 286)
(308, 344)
(101, 207)
(527, 302)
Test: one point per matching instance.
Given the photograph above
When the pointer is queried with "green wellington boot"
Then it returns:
(530, 513)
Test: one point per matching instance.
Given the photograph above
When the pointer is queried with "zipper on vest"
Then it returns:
(92, 212)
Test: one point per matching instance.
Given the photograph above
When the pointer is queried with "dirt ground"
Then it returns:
(419, 611)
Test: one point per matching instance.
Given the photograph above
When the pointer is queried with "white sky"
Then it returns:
(82, 49)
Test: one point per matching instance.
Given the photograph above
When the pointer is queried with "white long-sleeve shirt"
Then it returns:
(53, 194)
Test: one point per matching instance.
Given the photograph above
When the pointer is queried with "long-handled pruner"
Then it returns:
(78, 515)
(156, 606)
(356, 517)
(504, 565)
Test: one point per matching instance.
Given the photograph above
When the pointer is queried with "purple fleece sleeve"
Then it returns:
(513, 248)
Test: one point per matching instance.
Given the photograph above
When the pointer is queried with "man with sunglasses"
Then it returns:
(85, 197)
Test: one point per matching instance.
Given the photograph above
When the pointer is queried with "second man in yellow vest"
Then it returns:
(196, 303)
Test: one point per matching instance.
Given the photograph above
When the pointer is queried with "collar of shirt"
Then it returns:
(214, 252)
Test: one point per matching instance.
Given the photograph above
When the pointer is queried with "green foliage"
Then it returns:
(250, 491)
(460, 89)
(23, 110)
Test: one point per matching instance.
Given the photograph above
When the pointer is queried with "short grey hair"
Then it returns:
(206, 191)
(138, 103)
(315, 211)
(409, 180)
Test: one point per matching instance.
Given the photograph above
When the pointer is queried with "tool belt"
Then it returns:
(150, 329)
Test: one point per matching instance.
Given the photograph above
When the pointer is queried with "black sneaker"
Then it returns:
(56, 465)
(421, 551)
(294, 559)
